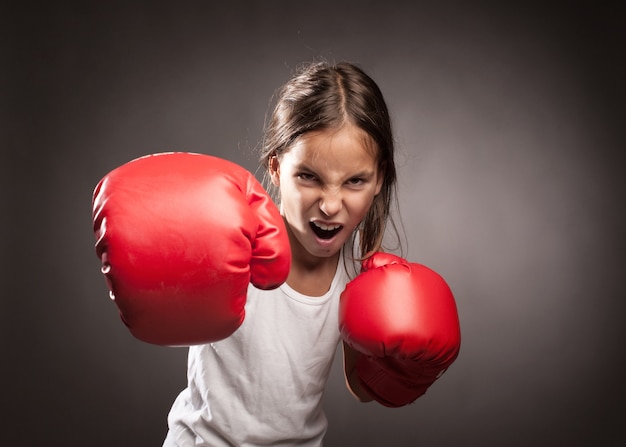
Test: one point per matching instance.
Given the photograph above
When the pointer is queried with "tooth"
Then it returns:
(326, 227)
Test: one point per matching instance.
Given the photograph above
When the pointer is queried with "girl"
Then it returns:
(329, 157)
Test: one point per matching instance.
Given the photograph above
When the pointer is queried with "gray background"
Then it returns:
(509, 123)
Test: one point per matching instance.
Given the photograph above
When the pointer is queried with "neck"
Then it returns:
(313, 279)
(311, 275)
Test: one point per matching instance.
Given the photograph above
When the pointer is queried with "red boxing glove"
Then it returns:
(402, 317)
(180, 237)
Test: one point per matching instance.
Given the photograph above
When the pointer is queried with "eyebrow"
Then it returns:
(364, 174)
(303, 166)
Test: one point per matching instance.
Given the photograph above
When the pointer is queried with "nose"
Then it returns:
(331, 202)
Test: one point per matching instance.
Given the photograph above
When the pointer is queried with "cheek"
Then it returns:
(292, 198)
(360, 205)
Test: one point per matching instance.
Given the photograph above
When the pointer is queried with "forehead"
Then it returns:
(344, 146)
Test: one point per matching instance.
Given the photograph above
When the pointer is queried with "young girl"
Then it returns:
(329, 155)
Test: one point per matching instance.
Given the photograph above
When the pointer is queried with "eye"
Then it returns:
(356, 181)
(306, 176)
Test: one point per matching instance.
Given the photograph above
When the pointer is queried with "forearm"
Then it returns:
(401, 317)
(352, 379)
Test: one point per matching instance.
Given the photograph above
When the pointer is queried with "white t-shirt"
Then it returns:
(263, 385)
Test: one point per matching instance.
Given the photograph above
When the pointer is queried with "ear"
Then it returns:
(379, 184)
(274, 169)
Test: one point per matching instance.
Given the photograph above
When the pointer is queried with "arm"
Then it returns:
(400, 320)
(353, 382)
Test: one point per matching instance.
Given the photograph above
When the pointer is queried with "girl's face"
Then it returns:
(327, 181)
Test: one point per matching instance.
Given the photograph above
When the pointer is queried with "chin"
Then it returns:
(331, 249)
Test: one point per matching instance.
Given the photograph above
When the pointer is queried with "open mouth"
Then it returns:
(325, 231)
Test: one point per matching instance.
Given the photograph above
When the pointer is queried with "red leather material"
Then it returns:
(180, 237)
(403, 318)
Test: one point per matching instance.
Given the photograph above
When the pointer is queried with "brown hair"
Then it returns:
(322, 96)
